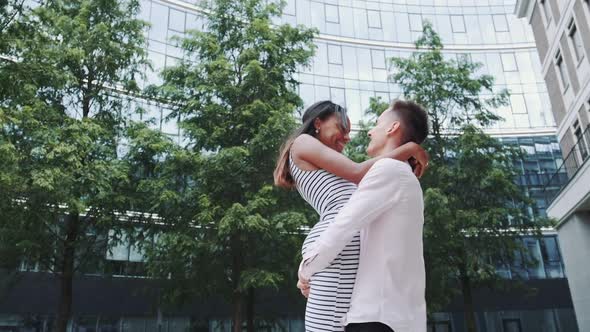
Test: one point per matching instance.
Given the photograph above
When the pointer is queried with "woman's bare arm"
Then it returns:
(311, 150)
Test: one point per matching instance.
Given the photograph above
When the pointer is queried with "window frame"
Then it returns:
(547, 14)
(339, 50)
(434, 325)
(519, 96)
(170, 20)
(505, 20)
(579, 138)
(326, 13)
(370, 23)
(546, 257)
(462, 21)
(511, 320)
(572, 29)
(561, 70)
(373, 50)
(515, 62)
(288, 12)
(410, 22)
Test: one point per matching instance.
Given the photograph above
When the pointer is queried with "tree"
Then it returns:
(473, 206)
(235, 93)
(65, 178)
(9, 10)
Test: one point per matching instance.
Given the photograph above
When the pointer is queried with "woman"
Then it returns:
(312, 161)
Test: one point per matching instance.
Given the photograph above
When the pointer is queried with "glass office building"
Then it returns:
(355, 41)
(562, 35)
(356, 38)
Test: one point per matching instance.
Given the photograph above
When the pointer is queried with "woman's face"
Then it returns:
(332, 133)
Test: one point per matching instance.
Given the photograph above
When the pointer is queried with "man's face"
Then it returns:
(386, 126)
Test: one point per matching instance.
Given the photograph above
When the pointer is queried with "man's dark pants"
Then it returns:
(367, 327)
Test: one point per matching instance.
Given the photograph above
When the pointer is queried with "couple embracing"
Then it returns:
(363, 266)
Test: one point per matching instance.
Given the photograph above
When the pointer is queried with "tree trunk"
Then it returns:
(237, 312)
(467, 302)
(237, 266)
(64, 310)
(250, 310)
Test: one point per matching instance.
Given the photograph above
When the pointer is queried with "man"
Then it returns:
(387, 209)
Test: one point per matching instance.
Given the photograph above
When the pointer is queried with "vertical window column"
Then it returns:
(562, 71)
(580, 141)
(575, 40)
(545, 7)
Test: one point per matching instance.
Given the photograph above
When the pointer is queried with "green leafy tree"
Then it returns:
(473, 207)
(9, 10)
(72, 163)
(235, 92)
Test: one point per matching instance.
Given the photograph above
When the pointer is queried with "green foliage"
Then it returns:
(61, 124)
(9, 11)
(65, 178)
(451, 90)
(236, 94)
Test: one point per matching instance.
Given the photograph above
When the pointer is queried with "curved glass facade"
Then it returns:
(357, 37)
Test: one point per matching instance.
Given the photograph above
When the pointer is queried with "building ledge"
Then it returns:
(574, 197)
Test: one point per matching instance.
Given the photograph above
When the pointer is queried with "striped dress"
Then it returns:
(331, 289)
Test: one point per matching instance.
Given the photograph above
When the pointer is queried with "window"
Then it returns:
(439, 326)
(500, 23)
(546, 10)
(517, 267)
(290, 8)
(530, 150)
(575, 40)
(415, 22)
(335, 54)
(307, 94)
(374, 18)
(378, 59)
(562, 70)
(337, 96)
(512, 325)
(535, 267)
(458, 23)
(551, 257)
(518, 104)
(169, 125)
(159, 22)
(365, 67)
(579, 139)
(176, 20)
(509, 62)
(332, 14)
(122, 248)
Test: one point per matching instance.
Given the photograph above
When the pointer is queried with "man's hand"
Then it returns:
(303, 286)
(419, 158)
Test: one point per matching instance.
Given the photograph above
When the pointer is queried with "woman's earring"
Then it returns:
(317, 130)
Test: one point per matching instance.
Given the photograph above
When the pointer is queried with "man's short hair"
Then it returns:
(414, 119)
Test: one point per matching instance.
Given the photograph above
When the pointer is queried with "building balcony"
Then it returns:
(568, 189)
